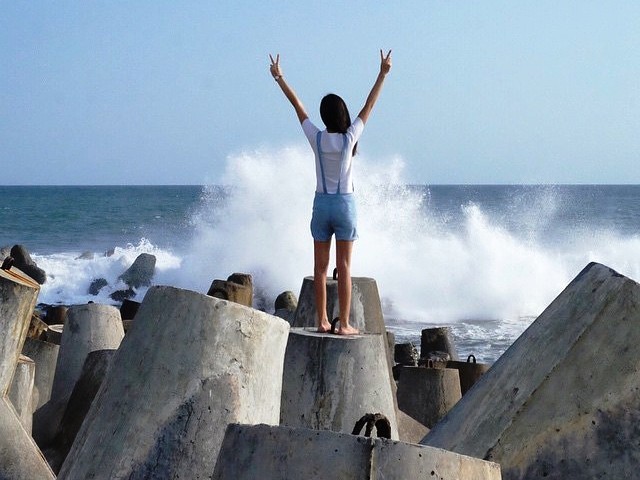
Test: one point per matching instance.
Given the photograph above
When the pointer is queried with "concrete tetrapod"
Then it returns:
(331, 381)
(190, 365)
(21, 391)
(437, 339)
(20, 457)
(45, 355)
(366, 310)
(93, 373)
(88, 328)
(274, 453)
(427, 394)
(562, 401)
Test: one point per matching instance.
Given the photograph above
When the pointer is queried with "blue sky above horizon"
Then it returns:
(163, 92)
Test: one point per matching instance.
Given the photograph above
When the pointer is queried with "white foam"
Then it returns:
(69, 275)
(428, 268)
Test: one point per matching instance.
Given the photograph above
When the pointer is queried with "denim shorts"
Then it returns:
(334, 214)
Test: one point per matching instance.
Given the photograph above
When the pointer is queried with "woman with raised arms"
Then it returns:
(334, 206)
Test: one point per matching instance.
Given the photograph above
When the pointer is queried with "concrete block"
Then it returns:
(438, 339)
(469, 371)
(366, 309)
(274, 453)
(406, 354)
(562, 401)
(191, 365)
(331, 381)
(37, 328)
(88, 328)
(21, 391)
(20, 457)
(56, 315)
(19, 294)
(409, 429)
(94, 371)
(427, 394)
(238, 288)
(45, 355)
(54, 333)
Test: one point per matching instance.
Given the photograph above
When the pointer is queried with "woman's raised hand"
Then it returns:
(385, 62)
(275, 66)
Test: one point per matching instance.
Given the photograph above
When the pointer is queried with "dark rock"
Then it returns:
(85, 256)
(286, 301)
(97, 285)
(141, 272)
(122, 295)
(24, 262)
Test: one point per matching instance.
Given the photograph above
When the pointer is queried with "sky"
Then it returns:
(158, 92)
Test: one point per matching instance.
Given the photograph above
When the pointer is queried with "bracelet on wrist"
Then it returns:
(277, 77)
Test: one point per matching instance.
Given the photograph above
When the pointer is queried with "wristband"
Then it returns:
(277, 77)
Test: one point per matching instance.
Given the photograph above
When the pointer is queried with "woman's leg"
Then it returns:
(321, 252)
(343, 260)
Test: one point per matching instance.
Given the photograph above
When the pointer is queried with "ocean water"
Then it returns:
(484, 260)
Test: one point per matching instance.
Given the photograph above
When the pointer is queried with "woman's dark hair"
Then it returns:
(335, 115)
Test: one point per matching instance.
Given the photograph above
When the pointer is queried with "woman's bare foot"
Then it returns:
(324, 327)
(347, 330)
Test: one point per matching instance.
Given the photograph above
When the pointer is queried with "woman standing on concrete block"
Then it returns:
(334, 208)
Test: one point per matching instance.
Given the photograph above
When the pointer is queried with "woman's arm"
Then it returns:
(385, 66)
(276, 72)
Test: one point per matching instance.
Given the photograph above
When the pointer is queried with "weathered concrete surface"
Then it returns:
(562, 402)
(274, 453)
(191, 365)
(54, 333)
(406, 354)
(409, 429)
(20, 458)
(45, 355)
(94, 371)
(427, 394)
(470, 371)
(21, 391)
(437, 339)
(37, 327)
(331, 381)
(18, 296)
(366, 310)
(88, 328)
(238, 288)
(56, 315)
